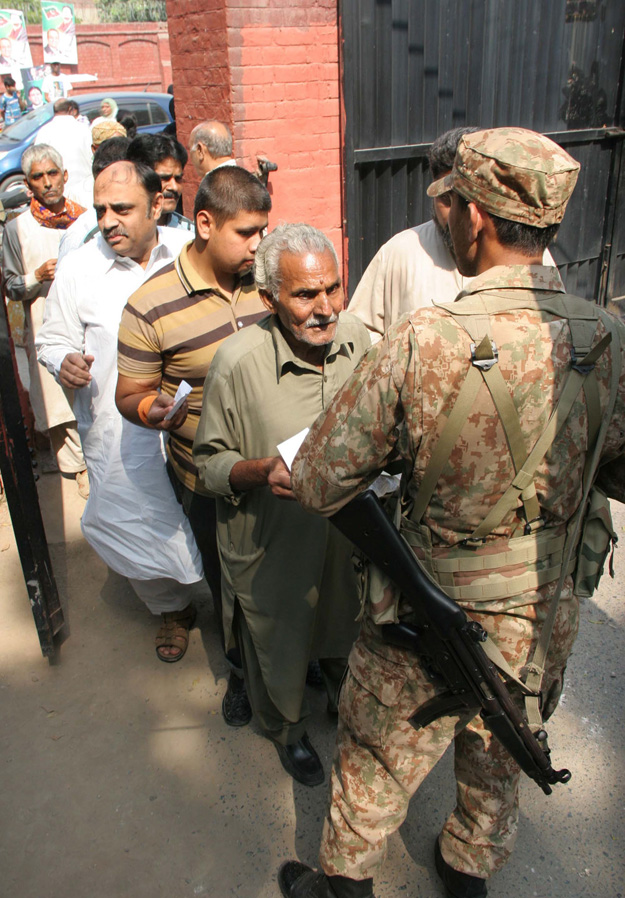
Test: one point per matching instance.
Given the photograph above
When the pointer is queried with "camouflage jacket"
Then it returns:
(396, 404)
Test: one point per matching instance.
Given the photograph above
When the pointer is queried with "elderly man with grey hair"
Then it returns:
(29, 255)
(290, 591)
(210, 146)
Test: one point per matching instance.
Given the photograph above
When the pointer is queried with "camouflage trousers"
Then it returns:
(380, 759)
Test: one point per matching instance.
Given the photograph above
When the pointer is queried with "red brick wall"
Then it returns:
(270, 69)
(199, 57)
(124, 56)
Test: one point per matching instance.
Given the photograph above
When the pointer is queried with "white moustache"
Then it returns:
(319, 322)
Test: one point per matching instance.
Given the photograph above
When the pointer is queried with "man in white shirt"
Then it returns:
(416, 266)
(56, 85)
(72, 140)
(132, 519)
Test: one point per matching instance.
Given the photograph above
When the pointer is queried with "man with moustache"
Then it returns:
(132, 519)
(72, 139)
(168, 158)
(106, 150)
(29, 255)
(170, 331)
(290, 591)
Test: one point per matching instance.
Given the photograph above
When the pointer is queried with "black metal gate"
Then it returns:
(21, 493)
(412, 69)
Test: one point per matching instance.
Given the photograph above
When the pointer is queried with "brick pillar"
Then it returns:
(198, 41)
(270, 68)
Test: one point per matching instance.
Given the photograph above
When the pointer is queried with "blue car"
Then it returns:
(150, 109)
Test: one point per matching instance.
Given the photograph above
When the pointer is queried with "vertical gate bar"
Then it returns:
(605, 275)
(23, 502)
(347, 40)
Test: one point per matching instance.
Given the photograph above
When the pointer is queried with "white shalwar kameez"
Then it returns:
(132, 518)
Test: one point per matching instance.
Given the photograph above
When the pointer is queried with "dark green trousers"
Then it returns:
(268, 717)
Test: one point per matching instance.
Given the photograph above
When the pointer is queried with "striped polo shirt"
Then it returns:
(171, 327)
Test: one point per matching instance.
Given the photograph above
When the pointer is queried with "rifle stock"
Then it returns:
(447, 641)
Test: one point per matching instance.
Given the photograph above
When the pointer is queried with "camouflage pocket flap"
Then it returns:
(598, 538)
(381, 677)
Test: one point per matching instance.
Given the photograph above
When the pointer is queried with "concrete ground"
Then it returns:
(121, 779)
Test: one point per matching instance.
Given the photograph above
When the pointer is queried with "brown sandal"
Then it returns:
(174, 633)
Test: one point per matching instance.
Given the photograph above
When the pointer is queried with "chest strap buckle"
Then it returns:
(481, 357)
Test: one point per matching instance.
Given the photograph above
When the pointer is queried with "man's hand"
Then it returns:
(279, 479)
(45, 272)
(74, 371)
(160, 407)
(255, 472)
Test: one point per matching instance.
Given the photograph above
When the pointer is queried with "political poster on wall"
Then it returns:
(14, 47)
(33, 78)
(59, 32)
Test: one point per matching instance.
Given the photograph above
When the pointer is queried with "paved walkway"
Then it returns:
(120, 779)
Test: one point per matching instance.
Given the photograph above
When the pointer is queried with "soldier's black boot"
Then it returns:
(457, 884)
(300, 881)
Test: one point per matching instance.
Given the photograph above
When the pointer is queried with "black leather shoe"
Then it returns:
(314, 677)
(458, 885)
(299, 881)
(235, 707)
(301, 761)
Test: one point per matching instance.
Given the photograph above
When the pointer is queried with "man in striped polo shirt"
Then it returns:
(170, 331)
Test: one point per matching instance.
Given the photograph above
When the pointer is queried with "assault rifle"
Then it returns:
(447, 642)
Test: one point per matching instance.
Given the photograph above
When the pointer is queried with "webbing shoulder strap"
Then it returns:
(582, 317)
(525, 477)
(473, 314)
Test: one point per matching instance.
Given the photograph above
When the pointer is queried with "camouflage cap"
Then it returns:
(104, 130)
(512, 173)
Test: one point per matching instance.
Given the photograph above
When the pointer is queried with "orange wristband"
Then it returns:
(144, 407)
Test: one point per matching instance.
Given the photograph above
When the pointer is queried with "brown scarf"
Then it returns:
(59, 221)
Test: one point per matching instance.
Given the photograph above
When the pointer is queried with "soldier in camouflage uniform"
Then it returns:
(509, 190)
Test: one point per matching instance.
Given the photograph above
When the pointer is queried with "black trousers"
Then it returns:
(202, 516)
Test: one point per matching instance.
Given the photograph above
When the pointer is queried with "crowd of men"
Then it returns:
(474, 336)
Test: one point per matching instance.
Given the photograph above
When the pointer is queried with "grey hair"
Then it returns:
(442, 152)
(37, 153)
(286, 238)
(217, 145)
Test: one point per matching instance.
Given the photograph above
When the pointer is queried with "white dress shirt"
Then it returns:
(132, 518)
(412, 270)
(75, 235)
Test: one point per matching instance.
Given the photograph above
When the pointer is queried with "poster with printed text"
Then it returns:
(14, 47)
(59, 32)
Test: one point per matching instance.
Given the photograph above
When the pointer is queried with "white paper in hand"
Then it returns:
(181, 394)
(288, 449)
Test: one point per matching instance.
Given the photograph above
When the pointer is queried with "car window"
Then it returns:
(138, 108)
(28, 123)
(141, 109)
(158, 114)
(91, 110)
